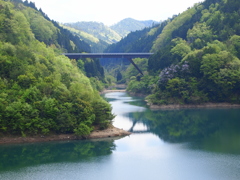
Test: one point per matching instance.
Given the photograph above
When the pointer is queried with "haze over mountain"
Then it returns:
(96, 44)
(98, 30)
(125, 26)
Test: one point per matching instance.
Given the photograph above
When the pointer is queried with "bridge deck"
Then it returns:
(107, 55)
(129, 56)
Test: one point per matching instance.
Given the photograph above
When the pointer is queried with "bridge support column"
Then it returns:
(130, 59)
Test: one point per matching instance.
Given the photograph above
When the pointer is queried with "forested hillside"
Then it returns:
(196, 56)
(97, 45)
(49, 31)
(134, 42)
(98, 30)
(100, 36)
(42, 91)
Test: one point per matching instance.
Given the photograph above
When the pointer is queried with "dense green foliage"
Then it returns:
(49, 31)
(202, 63)
(196, 54)
(40, 90)
(138, 41)
(126, 44)
(99, 36)
(137, 83)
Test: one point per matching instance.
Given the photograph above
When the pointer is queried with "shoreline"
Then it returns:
(96, 134)
(115, 90)
(191, 106)
(179, 106)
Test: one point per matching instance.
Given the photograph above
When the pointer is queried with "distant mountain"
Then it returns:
(137, 41)
(125, 26)
(99, 36)
(98, 30)
(97, 45)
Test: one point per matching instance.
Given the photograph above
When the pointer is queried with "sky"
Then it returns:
(110, 12)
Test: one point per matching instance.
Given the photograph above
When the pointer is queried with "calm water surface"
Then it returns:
(184, 144)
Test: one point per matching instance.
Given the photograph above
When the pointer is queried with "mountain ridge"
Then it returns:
(97, 29)
(99, 35)
(127, 25)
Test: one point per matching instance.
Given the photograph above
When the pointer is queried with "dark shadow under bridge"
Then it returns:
(128, 56)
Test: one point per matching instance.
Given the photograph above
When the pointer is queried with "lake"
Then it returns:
(165, 144)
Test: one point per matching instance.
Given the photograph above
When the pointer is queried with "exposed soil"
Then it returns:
(96, 134)
(115, 88)
(107, 91)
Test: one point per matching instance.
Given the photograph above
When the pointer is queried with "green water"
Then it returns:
(165, 144)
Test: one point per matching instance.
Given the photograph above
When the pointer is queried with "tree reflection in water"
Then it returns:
(211, 129)
(24, 155)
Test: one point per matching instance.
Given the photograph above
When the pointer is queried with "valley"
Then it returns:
(99, 36)
(67, 114)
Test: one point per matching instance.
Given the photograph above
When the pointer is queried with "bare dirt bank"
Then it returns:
(107, 91)
(206, 105)
(96, 134)
(115, 88)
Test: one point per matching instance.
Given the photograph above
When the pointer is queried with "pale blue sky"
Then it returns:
(110, 12)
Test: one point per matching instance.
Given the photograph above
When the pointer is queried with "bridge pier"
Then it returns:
(133, 63)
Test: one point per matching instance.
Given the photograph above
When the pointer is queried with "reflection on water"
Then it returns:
(209, 129)
(24, 155)
(166, 144)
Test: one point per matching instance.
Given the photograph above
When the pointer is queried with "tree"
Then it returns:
(181, 48)
(119, 76)
(199, 35)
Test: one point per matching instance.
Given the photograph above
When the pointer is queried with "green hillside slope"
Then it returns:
(196, 55)
(138, 41)
(100, 36)
(98, 30)
(97, 45)
(49, 31)
(199, 61)
(42, 91)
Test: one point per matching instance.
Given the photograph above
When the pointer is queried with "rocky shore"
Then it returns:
(96, 134)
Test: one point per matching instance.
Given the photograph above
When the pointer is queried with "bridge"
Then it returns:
(128, 56)
(131, 130)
